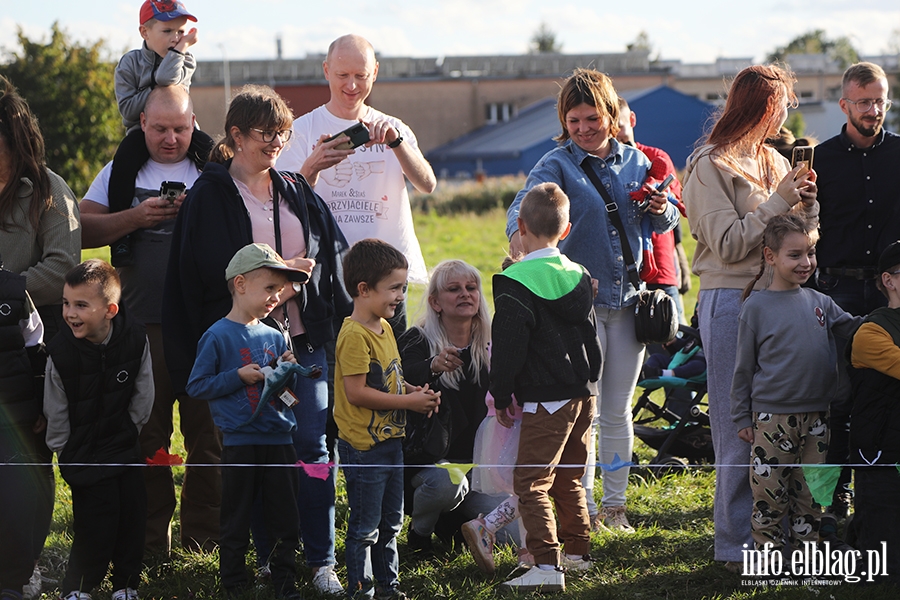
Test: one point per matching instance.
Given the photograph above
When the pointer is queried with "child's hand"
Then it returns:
(746, 434)
(288, 356)
(423, 400)
(504, 416)
(189, 39)
(250, 374)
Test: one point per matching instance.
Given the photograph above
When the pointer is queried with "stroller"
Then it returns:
(681, 434)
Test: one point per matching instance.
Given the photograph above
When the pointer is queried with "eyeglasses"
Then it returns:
(269, 136)
(863, 106)
(893, 272)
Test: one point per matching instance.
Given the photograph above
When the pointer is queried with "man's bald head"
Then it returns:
(171, 97)
(350, 43)
(168, 123)
(351, 69)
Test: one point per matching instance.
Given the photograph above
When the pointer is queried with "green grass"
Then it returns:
(670, 556)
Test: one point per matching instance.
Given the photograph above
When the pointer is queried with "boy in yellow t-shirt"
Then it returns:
(370, 399)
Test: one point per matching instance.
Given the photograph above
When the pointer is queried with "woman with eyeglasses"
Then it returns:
(733, 185)
(239, 199)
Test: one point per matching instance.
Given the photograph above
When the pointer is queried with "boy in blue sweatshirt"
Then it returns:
(230, 372)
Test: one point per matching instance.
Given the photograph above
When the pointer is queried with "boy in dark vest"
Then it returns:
(874, 356)
(98, 393)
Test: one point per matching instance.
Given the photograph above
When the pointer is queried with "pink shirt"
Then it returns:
(293, 242)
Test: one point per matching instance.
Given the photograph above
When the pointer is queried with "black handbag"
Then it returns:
(655, 313)
(427, 438)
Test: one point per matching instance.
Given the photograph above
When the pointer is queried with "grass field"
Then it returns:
(669, 557)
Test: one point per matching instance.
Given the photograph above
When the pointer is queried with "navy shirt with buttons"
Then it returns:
(859, 199)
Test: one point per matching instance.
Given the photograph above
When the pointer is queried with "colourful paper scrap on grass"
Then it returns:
(457, 471)
(163, 458)
(315, 470)
(822, 479)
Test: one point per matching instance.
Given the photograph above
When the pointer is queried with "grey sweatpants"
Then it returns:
(719, 310)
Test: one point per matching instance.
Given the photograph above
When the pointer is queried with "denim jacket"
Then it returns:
(593, 241)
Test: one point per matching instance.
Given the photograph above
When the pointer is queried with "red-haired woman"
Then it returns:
(733, 185)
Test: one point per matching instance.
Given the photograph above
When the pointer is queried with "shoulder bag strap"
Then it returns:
(276, 219)
(613, 211)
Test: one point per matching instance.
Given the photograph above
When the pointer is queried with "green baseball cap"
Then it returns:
(255, 256)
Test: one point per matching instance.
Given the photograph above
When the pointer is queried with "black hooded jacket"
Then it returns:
(544, 336)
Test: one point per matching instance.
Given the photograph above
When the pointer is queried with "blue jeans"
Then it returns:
(315, 497)
(315, 500)
(375, 499)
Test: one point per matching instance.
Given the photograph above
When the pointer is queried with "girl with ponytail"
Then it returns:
(785, 378)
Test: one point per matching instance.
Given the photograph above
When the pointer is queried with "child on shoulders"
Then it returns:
(784, 380)
(546, 352)
(162, 60)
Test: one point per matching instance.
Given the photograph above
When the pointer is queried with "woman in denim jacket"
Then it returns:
(588, 109)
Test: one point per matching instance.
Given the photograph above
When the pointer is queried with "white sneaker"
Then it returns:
(32, 589)
(76, 595)
(326, 581)
(537, 580)
(580, 563)
(126, 594)
(481, 544)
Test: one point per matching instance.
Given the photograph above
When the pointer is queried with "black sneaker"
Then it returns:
(120, 254)
(418, 543)
(828, 532)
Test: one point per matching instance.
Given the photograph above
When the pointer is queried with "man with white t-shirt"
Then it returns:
(168, 124)
(364, 188)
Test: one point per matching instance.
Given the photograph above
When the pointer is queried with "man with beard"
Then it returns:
(859, 218)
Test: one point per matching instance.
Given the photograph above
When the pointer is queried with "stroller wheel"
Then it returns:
(664, 465)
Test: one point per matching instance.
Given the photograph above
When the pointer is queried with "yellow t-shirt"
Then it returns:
(361, 351)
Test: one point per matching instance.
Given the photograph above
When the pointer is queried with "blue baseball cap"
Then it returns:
(164, 10)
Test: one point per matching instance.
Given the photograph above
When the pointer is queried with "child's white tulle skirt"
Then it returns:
(495, 445)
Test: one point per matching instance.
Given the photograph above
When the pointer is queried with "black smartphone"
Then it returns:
(170, 190)
(802, 155)
(357, 135)
(662, 187)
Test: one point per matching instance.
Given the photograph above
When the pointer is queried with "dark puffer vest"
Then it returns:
(875, 420)
(18, 403)
(99, 383)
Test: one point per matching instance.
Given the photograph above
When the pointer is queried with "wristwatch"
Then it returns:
(396, 142)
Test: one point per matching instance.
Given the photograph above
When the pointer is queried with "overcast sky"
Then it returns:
(693, 31)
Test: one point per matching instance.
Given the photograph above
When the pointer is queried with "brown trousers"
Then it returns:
(201, 491)
(549, 440)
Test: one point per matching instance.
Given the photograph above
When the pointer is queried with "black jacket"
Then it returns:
(544, 336)
(20, 403)
(464, 407)
(99, 383)
(212, 225)
(875, 423)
